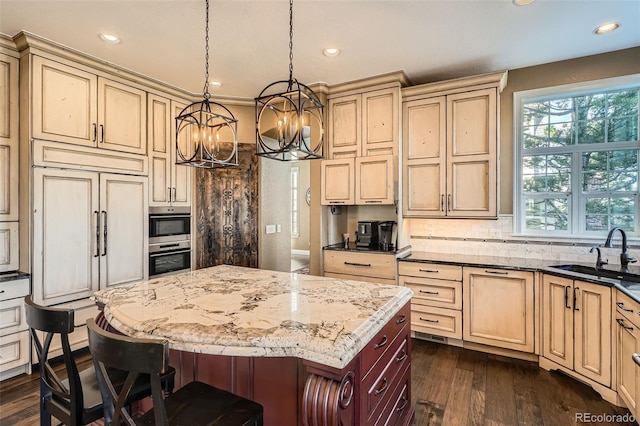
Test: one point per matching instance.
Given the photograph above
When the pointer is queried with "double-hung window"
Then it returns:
(576, 159)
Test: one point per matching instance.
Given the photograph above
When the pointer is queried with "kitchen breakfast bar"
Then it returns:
(312, 350)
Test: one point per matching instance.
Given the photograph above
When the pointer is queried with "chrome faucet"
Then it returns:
(599, 262)
(624, 256)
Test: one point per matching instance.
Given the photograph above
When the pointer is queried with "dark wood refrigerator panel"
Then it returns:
(227, 213)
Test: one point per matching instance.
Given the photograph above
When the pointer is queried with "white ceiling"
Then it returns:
(429, 39)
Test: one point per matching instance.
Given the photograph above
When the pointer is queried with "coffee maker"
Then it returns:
(367, 235)
(386, 237)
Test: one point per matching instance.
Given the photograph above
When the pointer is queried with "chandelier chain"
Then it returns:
(290, 41)
(206, 94)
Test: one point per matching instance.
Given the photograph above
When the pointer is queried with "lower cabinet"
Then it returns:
(499, 308)
(14, 334)
(628, 350)
(576, 327)
(436, 305)
(373, 267)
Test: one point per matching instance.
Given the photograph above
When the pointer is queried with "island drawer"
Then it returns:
(363, 264)
(438, 321)
(628, 308)
(381, 379)
(377, 347)
(398, 402)
(430, 270)
(431, 292)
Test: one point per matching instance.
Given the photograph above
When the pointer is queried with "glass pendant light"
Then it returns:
(206, 131)
(289, 117)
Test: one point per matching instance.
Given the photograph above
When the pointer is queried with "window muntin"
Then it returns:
(295, 206)
(577, 160)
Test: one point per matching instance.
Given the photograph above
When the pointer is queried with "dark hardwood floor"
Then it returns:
(450, 386)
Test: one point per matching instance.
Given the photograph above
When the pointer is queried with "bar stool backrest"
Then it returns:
(135, 356)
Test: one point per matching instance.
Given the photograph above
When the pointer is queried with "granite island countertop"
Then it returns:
(236, 311)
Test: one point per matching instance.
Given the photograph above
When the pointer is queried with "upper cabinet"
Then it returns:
(450, 148)
(8, 138)
(363, 137)
(364, 124)
(75, 106)
(170, 184)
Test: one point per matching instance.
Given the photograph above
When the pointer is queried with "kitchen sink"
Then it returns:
(602, 273)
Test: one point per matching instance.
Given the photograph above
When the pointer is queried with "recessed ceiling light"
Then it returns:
(331, 52)
(522, 2)
(110, 38)
(606, 28)
(215, 83)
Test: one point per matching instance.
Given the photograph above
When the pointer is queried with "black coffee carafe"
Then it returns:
(385, 235)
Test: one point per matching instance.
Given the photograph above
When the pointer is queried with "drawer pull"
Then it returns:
(402, 319)
(366, 265)
(430, 271)
(497, 272)
(636, 358)
(373, 201)
(1, 291)
(381, 344)
(621, 322)
(429, 320)
(429, 292)
(402, 357)
(402, 407)
(384, 387)
(621, 306)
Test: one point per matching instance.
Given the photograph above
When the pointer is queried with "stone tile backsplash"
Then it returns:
(495, 238)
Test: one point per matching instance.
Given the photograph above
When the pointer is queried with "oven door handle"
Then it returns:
(164, 253)
(170, 216)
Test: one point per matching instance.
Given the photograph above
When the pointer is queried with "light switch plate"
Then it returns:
(271, 229)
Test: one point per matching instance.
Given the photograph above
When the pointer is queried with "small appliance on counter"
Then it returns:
(367, 235)
(387, 235)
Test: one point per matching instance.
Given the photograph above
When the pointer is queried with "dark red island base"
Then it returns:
(373, 389)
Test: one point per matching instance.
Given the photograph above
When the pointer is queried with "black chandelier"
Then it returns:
(206, 131)
(289, 117)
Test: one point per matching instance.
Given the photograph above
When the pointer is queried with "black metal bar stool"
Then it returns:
(76, 400)
(196, 403)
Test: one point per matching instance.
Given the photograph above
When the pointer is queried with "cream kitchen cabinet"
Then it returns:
(90, 232)
(364, 124)
(73, 105)
(14, 334)
(498, 308)
(360, 266)
(359, 181)
(450, 148)
(8, 138)
(628, 351)
(170, 184)
(436, 305)
(576, 327)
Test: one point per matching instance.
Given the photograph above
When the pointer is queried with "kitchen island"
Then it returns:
(311, 350)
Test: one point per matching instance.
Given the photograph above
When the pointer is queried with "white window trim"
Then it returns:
(519, 98)
(295, 209)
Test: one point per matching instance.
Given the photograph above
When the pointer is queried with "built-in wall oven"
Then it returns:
(169, 240)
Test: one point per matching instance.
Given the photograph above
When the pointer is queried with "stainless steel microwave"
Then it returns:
(169, 224)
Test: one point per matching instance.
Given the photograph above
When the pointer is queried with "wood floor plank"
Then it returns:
(428, 414)
(500, 403)
(527, 404)
(457, 409)
(440, 374)
(476, 409)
